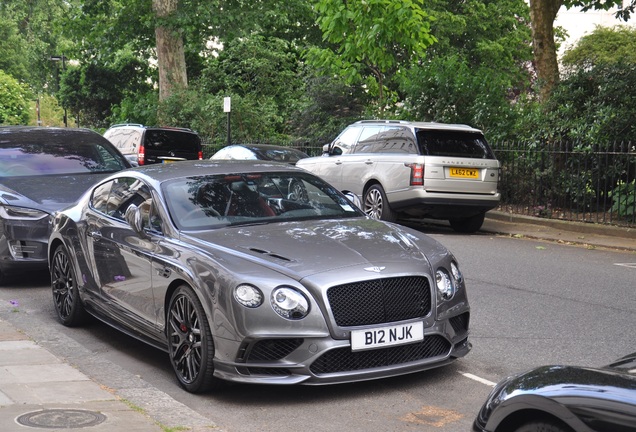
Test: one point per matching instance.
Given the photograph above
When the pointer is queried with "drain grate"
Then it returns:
(61, 419)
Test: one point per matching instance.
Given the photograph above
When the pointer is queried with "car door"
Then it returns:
(362, 162)
(122, 259)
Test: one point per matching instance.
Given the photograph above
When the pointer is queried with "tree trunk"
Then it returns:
(542, 16)
(170, 52)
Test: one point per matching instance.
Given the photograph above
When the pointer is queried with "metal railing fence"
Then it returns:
(585, 183)
(592, 183)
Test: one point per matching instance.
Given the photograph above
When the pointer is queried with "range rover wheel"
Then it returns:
(190, 343)
(66, 299)
(468, 225)
(376, 205)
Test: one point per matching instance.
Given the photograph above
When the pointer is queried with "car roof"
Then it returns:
(423, 125)
(44, 135)
(163, 172)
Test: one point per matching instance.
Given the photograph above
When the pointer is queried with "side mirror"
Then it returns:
(353, 198)
(133, 217)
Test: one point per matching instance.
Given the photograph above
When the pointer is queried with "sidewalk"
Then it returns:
(589, 235)
(41, 392)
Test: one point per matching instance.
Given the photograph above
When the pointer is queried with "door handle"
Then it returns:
(95, 235)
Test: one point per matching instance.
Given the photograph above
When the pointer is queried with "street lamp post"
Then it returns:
(61, 58)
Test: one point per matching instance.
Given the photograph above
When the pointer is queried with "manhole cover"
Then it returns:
(61, 418)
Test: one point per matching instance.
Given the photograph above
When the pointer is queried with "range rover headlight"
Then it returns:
(445, 286)
(289, 303)
(248, 295)
(457, 275)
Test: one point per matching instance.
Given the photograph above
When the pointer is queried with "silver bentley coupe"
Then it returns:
(256, 272)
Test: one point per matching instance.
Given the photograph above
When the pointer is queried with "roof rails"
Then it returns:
(384, 121)
(151, 127)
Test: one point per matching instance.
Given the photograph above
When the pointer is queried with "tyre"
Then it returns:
(542, 426)
(376, 205)
(297, 191)
(468, 225)
(190, 343)
(66, 299)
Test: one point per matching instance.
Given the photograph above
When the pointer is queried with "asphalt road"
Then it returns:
(532, 302)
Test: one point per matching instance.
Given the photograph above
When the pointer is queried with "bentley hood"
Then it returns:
(301, 249)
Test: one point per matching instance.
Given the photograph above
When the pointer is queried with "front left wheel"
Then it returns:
(66, 299)
(190, 343)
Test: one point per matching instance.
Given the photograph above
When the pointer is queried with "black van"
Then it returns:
(144, 145)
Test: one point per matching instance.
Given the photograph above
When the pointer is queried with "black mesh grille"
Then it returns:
(380, 301)
(460, 322)
(343, 359)
(273, 349)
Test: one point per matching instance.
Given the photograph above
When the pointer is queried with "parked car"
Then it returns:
(564, 399)
(257, 273)
(43, 170)
(144, 145)
(260, 152)
(414, 169)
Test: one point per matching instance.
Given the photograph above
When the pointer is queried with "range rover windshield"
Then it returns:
(453, 144)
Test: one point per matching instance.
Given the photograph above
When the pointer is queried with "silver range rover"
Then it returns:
(413, 169)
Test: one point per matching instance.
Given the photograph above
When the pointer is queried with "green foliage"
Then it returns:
(29, 35)
(14, 101)
(589, 106)
(476, 70)
(624, 200)
(371, 40)
(90, 90)
(605, 45)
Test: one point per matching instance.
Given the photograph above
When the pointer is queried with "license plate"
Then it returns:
(471, 173)
(381, 337)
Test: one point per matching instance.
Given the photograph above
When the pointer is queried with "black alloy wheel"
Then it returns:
(190, 343)
(66, 299)
(376, 205)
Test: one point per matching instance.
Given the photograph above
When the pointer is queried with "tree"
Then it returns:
(370, 40)
(14, 101)
(605, 45)
(477, 68)
(542, 15)
(170, 51)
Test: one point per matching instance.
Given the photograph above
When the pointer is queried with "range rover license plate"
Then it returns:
(471, 173)
(381, 337)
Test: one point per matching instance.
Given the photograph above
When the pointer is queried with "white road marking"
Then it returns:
(629, 265)
(478, 379)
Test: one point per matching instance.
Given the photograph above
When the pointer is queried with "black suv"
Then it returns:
(144, 145)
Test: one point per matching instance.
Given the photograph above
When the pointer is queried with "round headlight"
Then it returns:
(445, 286)
(456, 273)
(248, 295)
(289, 303)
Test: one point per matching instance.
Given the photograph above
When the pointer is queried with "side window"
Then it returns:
(109, 161)
(347, 139)
(127, 191)
(99, 199)
(396, 139)
(368, 140)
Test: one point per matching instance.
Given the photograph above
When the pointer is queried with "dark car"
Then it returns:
(43, 170)
(260, 152)
(564, 399)
(257, 272)
(144, 145)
